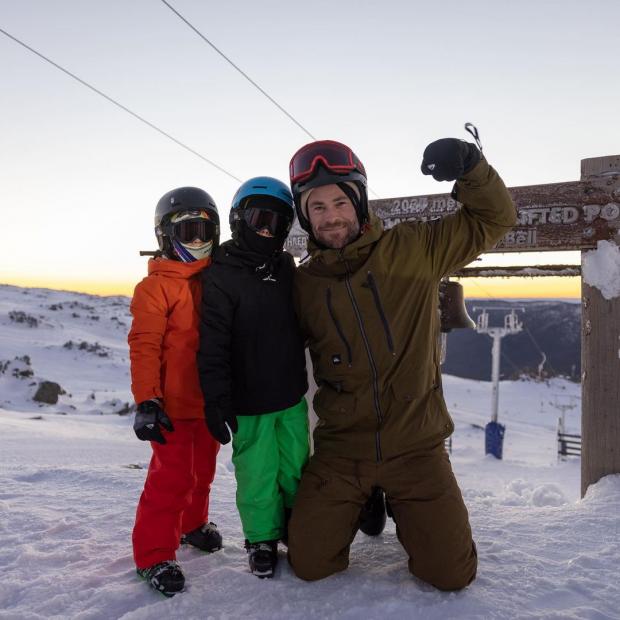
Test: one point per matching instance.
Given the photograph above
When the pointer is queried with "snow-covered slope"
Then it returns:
(71, 474)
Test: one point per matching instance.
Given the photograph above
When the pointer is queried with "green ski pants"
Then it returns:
(270, 452)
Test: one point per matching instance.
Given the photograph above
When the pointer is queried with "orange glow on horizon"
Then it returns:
(555, 287)
(92, 287)
(522, 287)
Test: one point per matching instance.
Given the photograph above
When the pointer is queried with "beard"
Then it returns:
(338, 234)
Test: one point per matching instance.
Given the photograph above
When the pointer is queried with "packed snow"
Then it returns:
(71, 474)
(601, 269)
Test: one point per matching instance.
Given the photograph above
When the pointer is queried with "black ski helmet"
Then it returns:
(175, 201)
(327, 162)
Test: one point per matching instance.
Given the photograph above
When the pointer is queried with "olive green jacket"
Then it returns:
(369, 313)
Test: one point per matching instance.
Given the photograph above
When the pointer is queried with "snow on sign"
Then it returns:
(556, 216)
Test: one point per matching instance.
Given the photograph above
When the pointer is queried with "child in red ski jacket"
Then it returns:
(163, 341)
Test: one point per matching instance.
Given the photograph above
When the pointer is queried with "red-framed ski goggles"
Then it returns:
(334, 156)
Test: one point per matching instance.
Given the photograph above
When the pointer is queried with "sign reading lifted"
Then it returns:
(556, 216)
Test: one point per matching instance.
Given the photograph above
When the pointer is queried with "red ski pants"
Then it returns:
(175, 499)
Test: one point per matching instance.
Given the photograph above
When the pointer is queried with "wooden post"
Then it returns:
(600, 352)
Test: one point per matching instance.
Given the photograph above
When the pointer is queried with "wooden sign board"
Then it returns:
(556, 216)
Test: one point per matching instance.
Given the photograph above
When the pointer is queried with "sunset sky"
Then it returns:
(79, 178)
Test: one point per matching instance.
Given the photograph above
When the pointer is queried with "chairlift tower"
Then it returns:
(511, 326)
(563, 404)
(494, 432)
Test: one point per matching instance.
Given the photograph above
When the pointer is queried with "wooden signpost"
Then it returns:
(558, 216)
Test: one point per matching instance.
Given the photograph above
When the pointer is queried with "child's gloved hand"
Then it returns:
(221, 421)
(149, 417)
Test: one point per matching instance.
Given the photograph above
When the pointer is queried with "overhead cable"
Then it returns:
(243, 73)
(246, 76)
(121, 106)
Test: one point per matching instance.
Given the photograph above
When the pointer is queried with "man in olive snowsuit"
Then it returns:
(368, 306)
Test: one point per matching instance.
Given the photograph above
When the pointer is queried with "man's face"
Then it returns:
(332, 217)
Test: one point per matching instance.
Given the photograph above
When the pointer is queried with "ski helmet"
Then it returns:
(327, 162)
(263, 202)
(182, 215)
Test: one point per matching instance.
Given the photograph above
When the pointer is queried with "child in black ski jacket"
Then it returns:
(252, 365)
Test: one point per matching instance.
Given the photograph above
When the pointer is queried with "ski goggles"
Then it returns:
(187, 231)
(276, 223)
(335, 157)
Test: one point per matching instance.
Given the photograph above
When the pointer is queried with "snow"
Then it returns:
(601, 269)
(71, 474)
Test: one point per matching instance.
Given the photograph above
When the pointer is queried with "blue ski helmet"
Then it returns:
(266, 187)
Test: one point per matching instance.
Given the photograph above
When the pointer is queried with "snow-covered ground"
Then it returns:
(71, 474)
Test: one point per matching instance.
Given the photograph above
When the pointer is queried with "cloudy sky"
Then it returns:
(79, 178)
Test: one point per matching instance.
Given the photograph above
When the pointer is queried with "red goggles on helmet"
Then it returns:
(334, 156)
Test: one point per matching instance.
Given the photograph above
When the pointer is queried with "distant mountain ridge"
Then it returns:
(549, 327)
(95, 328)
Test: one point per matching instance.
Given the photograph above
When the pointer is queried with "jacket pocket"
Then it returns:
(384, 321)
(328, 402)
(338, 326)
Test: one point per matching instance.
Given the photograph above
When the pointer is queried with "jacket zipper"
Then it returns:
(386, 326)
(332, 314)
(373, 366)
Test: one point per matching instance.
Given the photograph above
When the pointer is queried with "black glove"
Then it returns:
(449, 159)
(149, 417)
(221, 418)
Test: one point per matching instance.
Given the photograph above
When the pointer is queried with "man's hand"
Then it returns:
(448, 159)
(221, 421)
(149, 417)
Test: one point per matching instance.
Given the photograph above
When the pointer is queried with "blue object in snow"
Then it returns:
(494, 439)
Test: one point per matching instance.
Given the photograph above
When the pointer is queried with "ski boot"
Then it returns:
(263, 557)
(164, 577)
(206, 538)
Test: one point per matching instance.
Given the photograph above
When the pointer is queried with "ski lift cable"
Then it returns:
(489, 295)
(529, 333)
(237, 68)
(503, 354)
(526, 329)
(121, 106)
(545, 359)
(246, 76)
